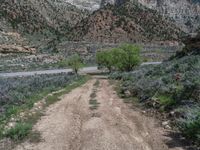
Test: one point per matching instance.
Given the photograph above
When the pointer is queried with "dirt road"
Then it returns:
(70, 124)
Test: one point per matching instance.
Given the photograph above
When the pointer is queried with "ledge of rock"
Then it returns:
(4, 48)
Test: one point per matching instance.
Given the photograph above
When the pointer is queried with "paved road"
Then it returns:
(56, 71)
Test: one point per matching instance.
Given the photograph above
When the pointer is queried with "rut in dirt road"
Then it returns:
(71, 124)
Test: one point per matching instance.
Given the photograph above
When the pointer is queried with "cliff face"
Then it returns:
(186, 13)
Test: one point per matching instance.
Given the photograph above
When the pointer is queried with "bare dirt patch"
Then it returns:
(70, 124)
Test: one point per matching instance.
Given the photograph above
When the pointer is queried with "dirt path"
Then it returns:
(71, 125)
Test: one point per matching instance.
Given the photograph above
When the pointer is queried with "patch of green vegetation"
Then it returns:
(75, 62)
(94, 104)
(23, 128)
(93, 94)
(19, 132)
(167, 88)
(96, 84)
(166, 100)
(190, 125)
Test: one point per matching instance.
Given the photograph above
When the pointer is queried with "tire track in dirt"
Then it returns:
(70, 124)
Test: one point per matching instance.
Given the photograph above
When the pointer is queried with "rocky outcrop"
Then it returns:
(16, 49)
(129, 22)
(186, 13)
(192, 45)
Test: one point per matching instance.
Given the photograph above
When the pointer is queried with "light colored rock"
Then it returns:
(165, 124)
(11, 124)
(185, 13)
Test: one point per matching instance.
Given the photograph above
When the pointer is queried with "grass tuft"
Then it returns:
(19, 132)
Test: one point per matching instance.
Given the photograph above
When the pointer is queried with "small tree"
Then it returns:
(105, 58)
(131, 57)
(75, 63)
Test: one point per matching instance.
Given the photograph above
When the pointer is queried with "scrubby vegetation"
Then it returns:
(124, 58)
(19, 95)
(19, 90)
(172, 88)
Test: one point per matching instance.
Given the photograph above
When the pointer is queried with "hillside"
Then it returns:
(35, 16)
(186, 13)
(130, 22)
(36, 21)
(171, 89)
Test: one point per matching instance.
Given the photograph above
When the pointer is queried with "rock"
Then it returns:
(11, 124)
(172, 113)
(127, 93)
(165, 123)
(167, 127)
(144, 112)
(13, 119)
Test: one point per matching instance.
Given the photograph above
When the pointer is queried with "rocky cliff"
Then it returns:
(186, 13)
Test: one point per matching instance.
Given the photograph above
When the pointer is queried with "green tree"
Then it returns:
(105, 59)
(75, 63)
(130, 57)
(124, 58)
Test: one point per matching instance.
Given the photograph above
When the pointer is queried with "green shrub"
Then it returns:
(190, 125)
(19, 132)
(166, 100)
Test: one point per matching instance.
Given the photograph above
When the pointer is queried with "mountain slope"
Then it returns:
(36, 15)
(36, 21)
(130, 22)
(186, 13)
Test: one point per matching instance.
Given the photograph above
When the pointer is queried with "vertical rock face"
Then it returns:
(186, 13)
